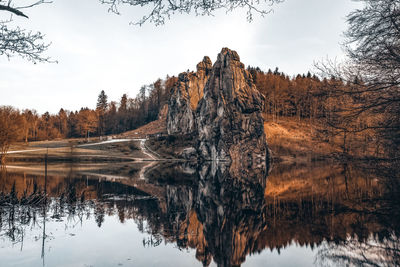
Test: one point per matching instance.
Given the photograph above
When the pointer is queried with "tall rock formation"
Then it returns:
(221, 105)
(229, 116)
(184, 99)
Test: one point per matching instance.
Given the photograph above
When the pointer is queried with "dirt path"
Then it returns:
(25, 150)
(146, 150)
(153, 155)
(106, 142)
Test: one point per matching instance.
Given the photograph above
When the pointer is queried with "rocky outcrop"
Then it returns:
(222, 106)
(184, 99)
(229, 116)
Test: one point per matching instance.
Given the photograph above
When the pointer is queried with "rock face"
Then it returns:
(184, 99)
(225, 115)
(229, 120)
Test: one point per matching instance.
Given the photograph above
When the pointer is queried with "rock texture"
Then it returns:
(222, 106)
(184, 99)
(162, 115)
(229, 116)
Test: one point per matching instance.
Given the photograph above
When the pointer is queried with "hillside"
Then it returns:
(154, 127)
(293, 140)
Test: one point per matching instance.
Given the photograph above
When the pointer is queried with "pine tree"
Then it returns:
(101, 109)
(102, 101)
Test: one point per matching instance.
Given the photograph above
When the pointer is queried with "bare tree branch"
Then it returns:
(8, 7)
(164, 9)
(30, 45)
(17, 41)
(24, 43)
(12, 10)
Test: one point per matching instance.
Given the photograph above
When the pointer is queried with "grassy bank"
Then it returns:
(293, 140)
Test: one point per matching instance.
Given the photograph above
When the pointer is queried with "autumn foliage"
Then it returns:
(306, 98)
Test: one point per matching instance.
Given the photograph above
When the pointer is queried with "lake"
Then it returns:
(178, 214)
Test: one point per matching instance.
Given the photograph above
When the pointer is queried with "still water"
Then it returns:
(139, 214)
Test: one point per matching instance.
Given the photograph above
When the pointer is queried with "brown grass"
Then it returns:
(293, 140)
(154, 127)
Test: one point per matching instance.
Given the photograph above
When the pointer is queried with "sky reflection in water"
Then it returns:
(305, 215)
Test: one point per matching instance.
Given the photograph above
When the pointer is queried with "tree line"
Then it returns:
(289, 97)
(337, 110)
(109, 117)
(304, 97)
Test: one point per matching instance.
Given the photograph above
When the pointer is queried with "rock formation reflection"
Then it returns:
(347, 215)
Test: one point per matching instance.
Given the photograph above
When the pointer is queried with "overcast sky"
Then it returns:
(97, 50)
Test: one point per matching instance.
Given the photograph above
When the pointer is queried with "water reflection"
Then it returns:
(224, 216)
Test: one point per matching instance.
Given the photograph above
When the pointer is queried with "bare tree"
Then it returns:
(372, 72)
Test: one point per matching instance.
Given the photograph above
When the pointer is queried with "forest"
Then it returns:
(109, 117)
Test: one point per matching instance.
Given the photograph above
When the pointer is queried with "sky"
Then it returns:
(97, 50)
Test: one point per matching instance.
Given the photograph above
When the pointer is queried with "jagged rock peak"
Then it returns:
(226, 51)
(204, 65)
(184, 98)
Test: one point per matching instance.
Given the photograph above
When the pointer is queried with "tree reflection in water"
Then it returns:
(348, 215)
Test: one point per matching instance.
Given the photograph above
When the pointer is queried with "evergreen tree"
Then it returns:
(101, 109)
(123, 105)
(102, 101)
